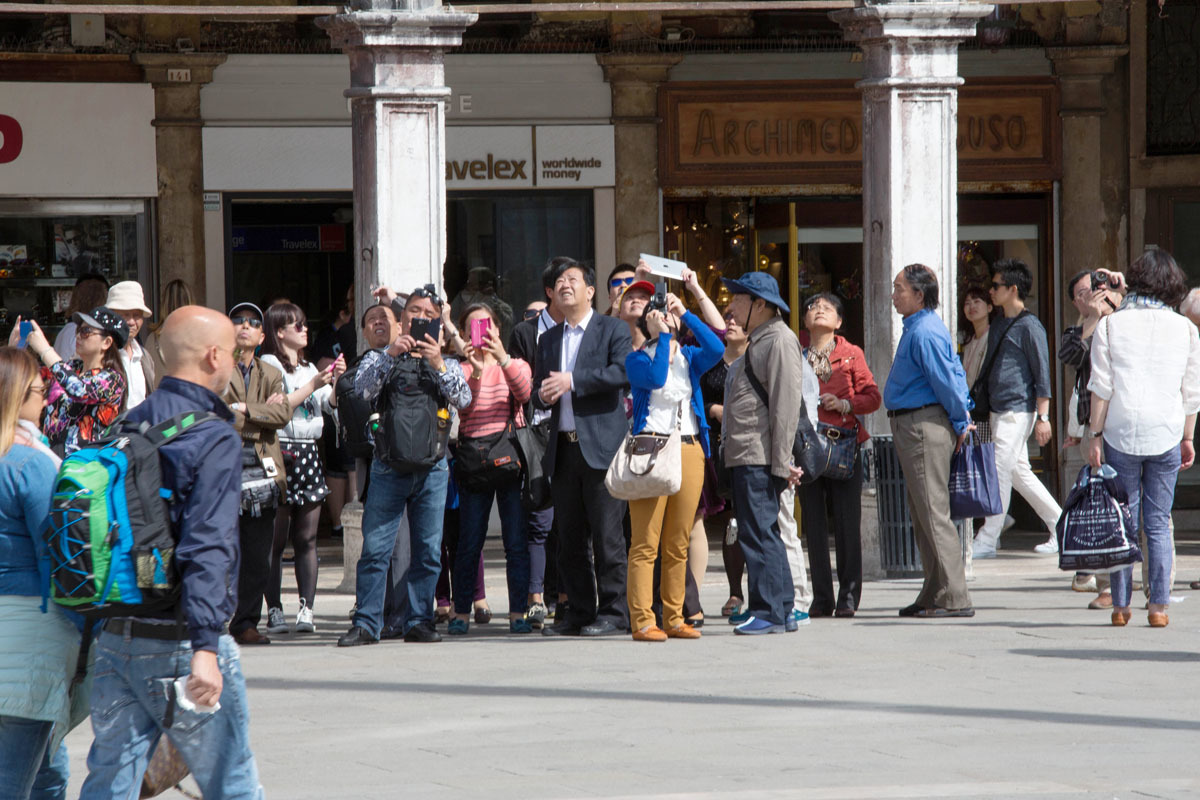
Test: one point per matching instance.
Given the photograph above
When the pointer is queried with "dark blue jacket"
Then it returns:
(203, 469)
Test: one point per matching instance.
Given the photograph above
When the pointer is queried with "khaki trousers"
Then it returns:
(665, 520)
(925, 442)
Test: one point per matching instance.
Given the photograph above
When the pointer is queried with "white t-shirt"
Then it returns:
(307, 422)
(674, 397)
(135, 378)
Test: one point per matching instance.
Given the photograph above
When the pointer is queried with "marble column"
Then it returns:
(397, 97)
(910, 158)
(634, 79)
(179, 225)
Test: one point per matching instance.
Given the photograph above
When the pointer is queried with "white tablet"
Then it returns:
(665, 267)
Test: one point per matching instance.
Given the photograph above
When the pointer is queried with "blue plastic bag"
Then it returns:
(974, 485)
(1096, 532)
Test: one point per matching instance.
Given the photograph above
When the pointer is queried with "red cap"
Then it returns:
(645, 286)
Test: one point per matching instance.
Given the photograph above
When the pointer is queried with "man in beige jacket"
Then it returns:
(762, 409)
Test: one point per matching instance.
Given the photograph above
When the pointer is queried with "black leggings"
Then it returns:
(301, 523)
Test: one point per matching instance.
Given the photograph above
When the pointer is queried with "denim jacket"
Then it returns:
(26, 483)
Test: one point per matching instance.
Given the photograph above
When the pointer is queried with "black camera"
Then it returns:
(659, 301)
(1099, 280)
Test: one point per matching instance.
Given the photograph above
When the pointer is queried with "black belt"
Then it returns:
(688, 439)
(899, 412)
(570, 436)
(147, 630)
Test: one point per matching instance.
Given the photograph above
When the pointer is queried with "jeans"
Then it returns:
(28, 769)
(1150, 483)
(474, 508)
(423, 496)
(129, 699)
(1010, 434)
(538, 525)
(756, 500)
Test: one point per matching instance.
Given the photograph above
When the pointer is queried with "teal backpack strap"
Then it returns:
(164, 432)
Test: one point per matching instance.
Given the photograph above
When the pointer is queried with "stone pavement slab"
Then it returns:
(1035, 697)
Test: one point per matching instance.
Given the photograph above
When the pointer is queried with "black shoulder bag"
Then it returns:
(810, 450)
(979, 392)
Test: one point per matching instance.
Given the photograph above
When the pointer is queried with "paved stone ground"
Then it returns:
(1035, 697)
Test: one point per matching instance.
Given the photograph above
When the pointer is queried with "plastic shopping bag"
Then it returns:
(1096, 532)
(974, 486)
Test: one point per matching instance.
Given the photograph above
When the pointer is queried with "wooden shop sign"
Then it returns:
(812, 132)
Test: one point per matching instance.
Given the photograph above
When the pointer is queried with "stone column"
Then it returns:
(1094, 188)
(397, 97)
(634, 79)
(177, 79)
(910, 158)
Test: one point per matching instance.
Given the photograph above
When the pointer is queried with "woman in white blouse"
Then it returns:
(1145, 389)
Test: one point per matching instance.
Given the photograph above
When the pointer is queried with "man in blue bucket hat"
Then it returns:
(762, 407)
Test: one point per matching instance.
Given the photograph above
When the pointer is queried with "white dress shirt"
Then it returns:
(673, 400)
(572, 338)
(1146, 364)
(135, 378)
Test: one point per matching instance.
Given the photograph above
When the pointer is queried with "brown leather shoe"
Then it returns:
(251, 636)
(1158, 619)
(1121, 618)
(1104, 600)
(652, 633)
(683, 632)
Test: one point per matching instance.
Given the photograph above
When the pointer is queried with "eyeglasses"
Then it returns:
(429, 291)
(83, 333)
(254, 322)
(617, 283)
(998, 285)
(38, 388)
(530, 313)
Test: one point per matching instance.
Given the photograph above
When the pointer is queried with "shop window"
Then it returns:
(514, 234)
(1173, 78)
(41, 256)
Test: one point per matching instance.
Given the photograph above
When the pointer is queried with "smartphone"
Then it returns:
(479, 331)
(420, 327)
(26, 329)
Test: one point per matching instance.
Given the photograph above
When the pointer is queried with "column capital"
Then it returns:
(425, 26)
(161, 70)
(933, 21)
(652, 68)
(1081, 75)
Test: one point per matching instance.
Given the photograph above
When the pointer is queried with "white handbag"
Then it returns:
(647, 465)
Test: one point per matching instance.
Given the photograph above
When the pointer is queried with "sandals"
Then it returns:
(732, 606)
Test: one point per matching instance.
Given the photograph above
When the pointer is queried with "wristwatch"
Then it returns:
(1043, 417)
(1095, 434)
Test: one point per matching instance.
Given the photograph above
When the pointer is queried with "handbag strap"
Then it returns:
(985, 372)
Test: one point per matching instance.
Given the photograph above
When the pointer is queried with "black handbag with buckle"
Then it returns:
(841, 451)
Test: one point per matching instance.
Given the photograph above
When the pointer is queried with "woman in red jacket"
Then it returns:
(847, 390)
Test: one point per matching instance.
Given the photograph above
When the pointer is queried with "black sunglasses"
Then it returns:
(255, 322)
(530, 313)
(997, 285)
(428, 290)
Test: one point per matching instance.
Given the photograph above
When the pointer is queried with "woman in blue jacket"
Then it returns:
(665, 378)
(38, 645)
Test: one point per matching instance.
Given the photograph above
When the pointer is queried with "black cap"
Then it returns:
(104, 319)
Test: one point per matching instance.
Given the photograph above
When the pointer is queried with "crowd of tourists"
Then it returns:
(604, 441)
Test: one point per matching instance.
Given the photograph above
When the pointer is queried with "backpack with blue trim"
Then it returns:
(110, 538)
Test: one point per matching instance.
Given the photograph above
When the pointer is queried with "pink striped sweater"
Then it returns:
(494, 397)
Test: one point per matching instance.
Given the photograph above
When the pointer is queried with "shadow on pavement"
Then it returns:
(1111, 655)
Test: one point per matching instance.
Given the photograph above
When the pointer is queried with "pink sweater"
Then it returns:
(494, 398)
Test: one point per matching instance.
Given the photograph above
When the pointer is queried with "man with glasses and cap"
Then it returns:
(414, 373)
(620, 279)
(758, 439)
(257, 399)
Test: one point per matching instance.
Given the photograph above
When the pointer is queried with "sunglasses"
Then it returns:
(998, 285)
(83, 333)
(617, 283)
(531, 313)
(255, 322)
(429, 291)
(299, 326)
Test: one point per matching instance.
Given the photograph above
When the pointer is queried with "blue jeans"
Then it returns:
(474, 509)
(28, 769)
(423, 496)
(1150, 483)
(756, 502)
(129, 699)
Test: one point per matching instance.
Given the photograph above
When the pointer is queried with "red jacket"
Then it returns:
(851, 380)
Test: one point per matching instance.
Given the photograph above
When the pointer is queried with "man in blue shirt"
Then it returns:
(927, 401)
(137, 659)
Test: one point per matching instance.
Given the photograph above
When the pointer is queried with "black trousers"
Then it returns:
(254, 568)
(821, 500)
(591, 541)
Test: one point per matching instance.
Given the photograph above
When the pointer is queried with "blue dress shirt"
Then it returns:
(926, 371)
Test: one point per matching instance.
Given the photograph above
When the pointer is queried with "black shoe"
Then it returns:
(601, 627)
(563, 628)
(815, 612)
(422, 632)
(391, 633)
(844, 612)
(911, 611)
(354, 637)
(938, 613)
(698, 622)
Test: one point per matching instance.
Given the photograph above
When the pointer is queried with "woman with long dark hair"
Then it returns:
(88, 392)
(38, 646)
(309, 392)
(1145, 389)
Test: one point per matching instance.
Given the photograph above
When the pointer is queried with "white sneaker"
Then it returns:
(1008, 523)
(304, 619)
(1048, 547)
(275, 621)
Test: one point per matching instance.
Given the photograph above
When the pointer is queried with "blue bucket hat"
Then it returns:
(757, 284)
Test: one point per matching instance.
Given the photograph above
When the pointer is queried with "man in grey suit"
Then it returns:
(581, 379)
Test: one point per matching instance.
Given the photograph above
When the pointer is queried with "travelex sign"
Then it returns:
(547, 156)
